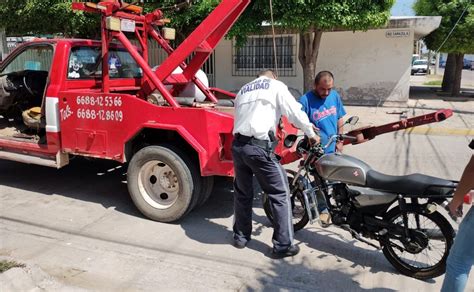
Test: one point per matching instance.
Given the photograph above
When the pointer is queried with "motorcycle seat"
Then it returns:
(412, 184)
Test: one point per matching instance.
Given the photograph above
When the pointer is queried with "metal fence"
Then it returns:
(258, 54)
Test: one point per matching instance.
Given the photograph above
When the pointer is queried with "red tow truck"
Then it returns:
(59, 99)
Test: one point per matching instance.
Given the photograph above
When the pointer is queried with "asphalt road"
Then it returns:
(79, 225)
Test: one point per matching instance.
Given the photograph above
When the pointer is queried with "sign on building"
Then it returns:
(397, 33)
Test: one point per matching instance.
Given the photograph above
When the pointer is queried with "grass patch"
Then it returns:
(6, 265)
(434, 82)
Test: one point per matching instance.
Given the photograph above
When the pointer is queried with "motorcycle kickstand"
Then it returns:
(358, 237)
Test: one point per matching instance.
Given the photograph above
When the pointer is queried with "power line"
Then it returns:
(449, 34)
(274, 40)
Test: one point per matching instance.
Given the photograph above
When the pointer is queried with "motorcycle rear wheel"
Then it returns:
(300, 216)
(427, 239)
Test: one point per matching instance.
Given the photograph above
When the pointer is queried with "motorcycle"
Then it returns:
(399, 212)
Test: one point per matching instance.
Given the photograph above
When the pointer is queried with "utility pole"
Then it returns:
(428, 71)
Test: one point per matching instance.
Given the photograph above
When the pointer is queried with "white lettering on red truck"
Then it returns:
(92, 108)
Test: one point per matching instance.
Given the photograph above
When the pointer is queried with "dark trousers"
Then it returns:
(252, 160)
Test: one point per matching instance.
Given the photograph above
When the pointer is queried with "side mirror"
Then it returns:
(290, 140)
(352, 120)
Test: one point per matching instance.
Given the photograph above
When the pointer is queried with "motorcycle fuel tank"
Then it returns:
(344, 168)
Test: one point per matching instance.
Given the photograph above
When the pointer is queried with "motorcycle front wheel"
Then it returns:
(300, 217)
(431, 237)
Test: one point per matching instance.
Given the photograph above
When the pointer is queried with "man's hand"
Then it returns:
(339, 146)
(455, 207)
(313, 141)
(316, 139)
(315, 129)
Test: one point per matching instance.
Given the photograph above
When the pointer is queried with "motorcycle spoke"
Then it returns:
(434, 250)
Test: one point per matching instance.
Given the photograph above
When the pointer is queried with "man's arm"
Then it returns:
(340, 130)
(340, 126)
(292, 110)
(341, 112)
(465, 185)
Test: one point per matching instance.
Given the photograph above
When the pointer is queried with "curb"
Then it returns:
(440, 131)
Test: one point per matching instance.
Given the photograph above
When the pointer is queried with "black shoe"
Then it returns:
(289, 252)
(240, 244)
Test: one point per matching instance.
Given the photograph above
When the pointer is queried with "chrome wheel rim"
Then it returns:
(158, 184)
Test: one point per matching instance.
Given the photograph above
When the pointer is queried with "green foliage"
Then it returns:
(462, 38)
(433, 82)
(56, 16)
(298, 15)
(6, 265)
(21, 17)
(309, 15)
(184, 19)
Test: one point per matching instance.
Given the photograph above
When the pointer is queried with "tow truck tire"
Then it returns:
(207, 187)
(161, 184)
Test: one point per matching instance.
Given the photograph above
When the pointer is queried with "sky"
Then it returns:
(403, 8)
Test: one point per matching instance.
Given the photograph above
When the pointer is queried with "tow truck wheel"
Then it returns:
(207, 187)
(160, 183)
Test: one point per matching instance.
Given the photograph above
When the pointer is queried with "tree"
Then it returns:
(22, 17)
(460, 42)
(306, 17)
(185, 18)
(310, 19)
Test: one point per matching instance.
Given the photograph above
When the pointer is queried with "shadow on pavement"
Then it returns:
(428, 92)
(96, 181)
(100, 182)
(286, 275)
(199, 225)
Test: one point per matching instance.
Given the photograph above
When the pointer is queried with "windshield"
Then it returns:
(420, 62)
(34, 58)
(85, 62)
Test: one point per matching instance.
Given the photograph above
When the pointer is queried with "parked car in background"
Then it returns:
(419, 66)
(414, 58)
(467, 64)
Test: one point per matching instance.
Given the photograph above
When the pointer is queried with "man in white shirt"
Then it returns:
(259, 106)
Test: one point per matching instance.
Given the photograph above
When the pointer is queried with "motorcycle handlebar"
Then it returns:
(350, 138)
(339, 137)
(304, 147)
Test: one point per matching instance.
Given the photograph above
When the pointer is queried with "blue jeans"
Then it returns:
(322, 204)
(461, 256)
(321, 200)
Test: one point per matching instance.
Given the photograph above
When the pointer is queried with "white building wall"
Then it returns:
(225, 79)
(369, 67)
